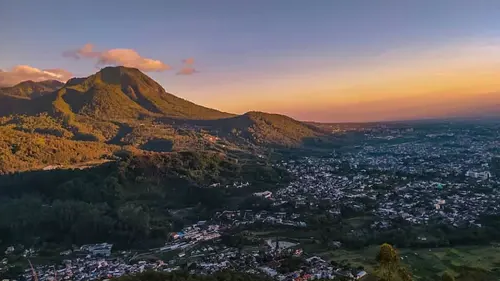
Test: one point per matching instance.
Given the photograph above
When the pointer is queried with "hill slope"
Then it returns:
(121, 106)
(121, 92)
(21, 151)
(266, 128)
(30, 89)
(259, 128)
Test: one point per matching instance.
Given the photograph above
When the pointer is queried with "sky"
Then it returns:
(321, 60)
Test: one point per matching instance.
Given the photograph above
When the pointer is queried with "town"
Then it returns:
(422, 176)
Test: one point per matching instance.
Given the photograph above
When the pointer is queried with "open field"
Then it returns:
(482, 262)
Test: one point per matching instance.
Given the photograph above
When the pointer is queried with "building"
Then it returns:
(360, 275)
(478, 175)
(103, 249)
(265, 194)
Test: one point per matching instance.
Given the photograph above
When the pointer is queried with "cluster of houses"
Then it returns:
(245, 217)
(96, 264)
(92, 268)
(417, 176)
(484, 175)
(192, 235)
(269, 262)
(234, 185)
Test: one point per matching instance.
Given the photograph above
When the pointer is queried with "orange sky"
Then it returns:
(324, 60)
(399, 84)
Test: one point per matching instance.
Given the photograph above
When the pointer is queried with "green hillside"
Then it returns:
(31, 89)
(20, 151)
(121, 106)
(258, 128)
(121, 92)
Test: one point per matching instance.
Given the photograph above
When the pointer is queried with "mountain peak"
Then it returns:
(118, 92)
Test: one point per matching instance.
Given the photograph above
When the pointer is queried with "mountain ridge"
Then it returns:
(129, 89)
(31, 89)
(122, 107)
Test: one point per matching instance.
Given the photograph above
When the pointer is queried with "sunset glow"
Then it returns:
(369, 70)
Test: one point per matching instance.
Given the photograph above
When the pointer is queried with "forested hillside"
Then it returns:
(50, 123)
(29, 89)
(127, 202)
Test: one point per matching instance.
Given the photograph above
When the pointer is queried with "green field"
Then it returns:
(473, 263)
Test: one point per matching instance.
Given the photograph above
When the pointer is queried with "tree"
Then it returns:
(387, 255)
(14, 272)
(447, 277)
(389, 268)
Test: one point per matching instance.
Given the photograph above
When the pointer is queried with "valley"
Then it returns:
(113, 158)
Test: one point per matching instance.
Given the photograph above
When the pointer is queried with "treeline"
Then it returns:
(402, 234)
(184, 276)
(128, 202)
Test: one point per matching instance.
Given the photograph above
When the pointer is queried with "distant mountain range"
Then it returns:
(122, 107)
(29, 89)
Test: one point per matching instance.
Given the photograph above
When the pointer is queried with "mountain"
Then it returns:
(261, 128)
(31, 89)
(122, 107)
(121, 92)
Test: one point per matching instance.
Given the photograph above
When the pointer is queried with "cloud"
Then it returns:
(130, 58)
(124, 57)
(188, 61)
(84, 52)
(187, 70)
(22, 73)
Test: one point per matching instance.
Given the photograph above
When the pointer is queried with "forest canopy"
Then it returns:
(127, 202)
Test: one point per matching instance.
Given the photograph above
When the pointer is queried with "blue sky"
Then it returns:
(237, 44)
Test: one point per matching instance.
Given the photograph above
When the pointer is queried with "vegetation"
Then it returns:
(390, 268)
(41, 124)
(447, 277)
(129, 202)
(123, 106)
(20, 151)
(278, 129)
(403, 234)
(30, 89)
(184, 276)
(470, 263)
(262, 129)
(121, 92)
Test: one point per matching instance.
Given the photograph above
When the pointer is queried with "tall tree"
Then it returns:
(390, 268)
